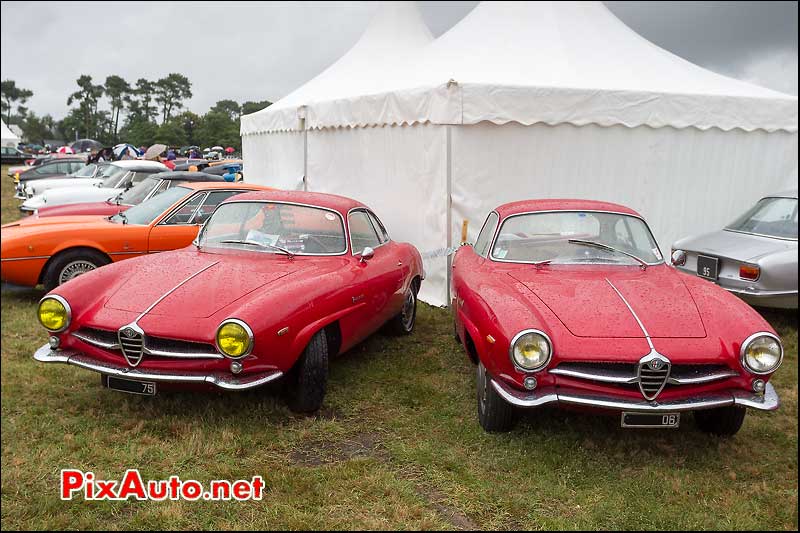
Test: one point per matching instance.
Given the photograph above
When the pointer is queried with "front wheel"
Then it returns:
(494, 413)
(722, 420)
(308, 380)
(403, 322)
(71, 264)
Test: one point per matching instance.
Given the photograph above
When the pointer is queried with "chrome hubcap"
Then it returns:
(74, 269)
(408, 311)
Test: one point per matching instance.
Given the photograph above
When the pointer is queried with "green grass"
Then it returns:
(397, 445)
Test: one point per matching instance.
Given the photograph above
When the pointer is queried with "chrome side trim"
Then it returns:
(769, 401)
(221, 380)
(26, 258)
(96, 342)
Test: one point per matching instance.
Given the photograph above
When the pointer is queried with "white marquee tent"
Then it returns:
(8, 137)
(523, 100)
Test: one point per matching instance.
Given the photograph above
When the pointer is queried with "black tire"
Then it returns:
(308, 380)
(494, 413)
(403, 322)
(58, 268)
(721, 421)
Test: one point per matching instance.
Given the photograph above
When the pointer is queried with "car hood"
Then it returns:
(593, 301)
(72, 195)
(188, 283)
(734, 245)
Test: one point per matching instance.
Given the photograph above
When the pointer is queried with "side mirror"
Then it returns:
(366, 254)
(678, 258)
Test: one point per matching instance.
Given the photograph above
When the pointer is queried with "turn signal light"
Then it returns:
(749, 272)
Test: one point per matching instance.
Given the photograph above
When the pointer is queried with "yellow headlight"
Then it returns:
(530, 350)
(762, 353)
(234, 339)
(54, 313)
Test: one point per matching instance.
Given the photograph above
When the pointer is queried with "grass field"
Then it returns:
(397, 445)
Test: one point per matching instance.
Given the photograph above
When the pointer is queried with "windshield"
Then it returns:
(136, 194)
(773, 217)
(270, 226)
(148, 211)
(112, 175)
(570, 237)
(85, 172)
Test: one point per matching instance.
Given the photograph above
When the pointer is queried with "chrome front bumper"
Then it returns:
(768, 401)
(222, 380)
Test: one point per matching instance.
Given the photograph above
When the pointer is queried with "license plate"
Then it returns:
(650, 420)
(131, 386)
(707, 267)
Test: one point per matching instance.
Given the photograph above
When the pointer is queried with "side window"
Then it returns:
(361, 231)
(125, 182)
(481, 246)
(382, 234)
(185, 213)
(210, 204)
(163, 186)
(138, 176)
(76, 166)
(62, 168)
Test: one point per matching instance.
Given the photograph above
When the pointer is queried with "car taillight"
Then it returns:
(29, 162)
(749, 272)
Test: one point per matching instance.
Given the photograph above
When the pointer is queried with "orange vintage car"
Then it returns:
(53, 250)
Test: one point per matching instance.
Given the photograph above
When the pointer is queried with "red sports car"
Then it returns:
(276, 283)
(570, 303)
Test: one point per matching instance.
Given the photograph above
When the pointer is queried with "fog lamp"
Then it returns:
(54, 342)
(236, 367)
(759, 385)
(529, 382)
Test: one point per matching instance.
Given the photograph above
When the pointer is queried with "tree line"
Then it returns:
(141, 113)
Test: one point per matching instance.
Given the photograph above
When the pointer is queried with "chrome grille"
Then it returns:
(131, 342)
(153, 346)
(652, 380)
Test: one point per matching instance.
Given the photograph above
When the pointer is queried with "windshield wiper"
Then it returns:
(263, 244)
(610, 249)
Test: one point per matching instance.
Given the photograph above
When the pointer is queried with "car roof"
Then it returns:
(187, 176)
(138, 164)
(331, 201)
(561, 204)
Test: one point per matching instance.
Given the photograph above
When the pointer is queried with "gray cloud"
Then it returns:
(255, 51)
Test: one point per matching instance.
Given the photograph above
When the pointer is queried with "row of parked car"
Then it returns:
(558, 302)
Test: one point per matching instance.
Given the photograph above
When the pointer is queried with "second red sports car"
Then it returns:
(570, 303)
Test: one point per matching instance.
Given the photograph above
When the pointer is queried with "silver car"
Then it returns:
(755, 257)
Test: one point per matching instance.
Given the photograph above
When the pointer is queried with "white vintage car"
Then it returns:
(91, 174)
(117, 177)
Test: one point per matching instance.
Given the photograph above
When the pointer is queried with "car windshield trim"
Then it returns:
(282, 202)
(501, 223)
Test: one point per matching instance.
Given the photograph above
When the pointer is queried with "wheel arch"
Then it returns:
(64, 250)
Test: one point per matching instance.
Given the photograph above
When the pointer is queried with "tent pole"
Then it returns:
(449, 163)
(305, 157)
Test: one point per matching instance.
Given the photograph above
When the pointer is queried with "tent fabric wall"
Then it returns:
(401, 173)
(275, 159)
(8, 137)
(682, 181)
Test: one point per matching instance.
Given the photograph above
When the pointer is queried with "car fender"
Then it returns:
(304, 335)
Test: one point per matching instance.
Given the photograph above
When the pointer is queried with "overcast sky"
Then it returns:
(256, 51)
